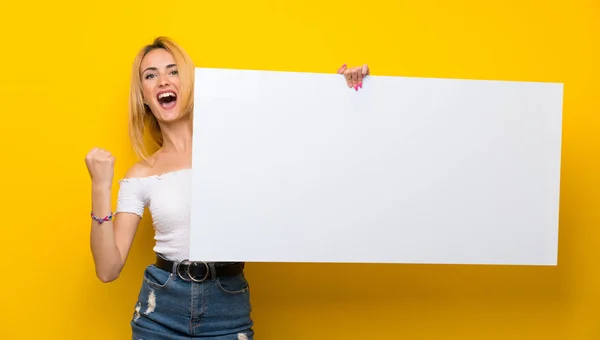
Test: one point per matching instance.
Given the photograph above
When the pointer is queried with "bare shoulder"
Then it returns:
(140, 169)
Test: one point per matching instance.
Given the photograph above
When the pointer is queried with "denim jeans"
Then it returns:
(171, 308)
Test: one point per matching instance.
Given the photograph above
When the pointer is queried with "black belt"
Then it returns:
(199, 271)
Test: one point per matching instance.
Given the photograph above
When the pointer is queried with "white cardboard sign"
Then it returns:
(297, 167)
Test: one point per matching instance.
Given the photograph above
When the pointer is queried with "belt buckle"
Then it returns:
(189, 265)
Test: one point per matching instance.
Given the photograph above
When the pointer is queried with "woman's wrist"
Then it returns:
(101, 188)
(101, 197)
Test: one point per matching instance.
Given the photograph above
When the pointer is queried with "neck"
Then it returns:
(177, 137)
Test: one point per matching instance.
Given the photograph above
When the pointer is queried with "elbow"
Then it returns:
(107, 277)
(107, 269)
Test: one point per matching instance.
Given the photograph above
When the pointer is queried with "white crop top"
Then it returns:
(167, 197)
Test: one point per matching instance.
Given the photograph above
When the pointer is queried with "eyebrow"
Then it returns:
(155, 69)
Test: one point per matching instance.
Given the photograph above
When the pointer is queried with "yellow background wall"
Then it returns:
(64, 72)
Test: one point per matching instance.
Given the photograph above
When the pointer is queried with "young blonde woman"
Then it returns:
(178, 299)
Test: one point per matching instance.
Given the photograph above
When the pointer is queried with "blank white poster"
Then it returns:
(297, 167)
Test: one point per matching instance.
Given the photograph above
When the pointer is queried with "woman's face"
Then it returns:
(160, 84)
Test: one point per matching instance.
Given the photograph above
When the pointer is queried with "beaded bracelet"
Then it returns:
(101, 220)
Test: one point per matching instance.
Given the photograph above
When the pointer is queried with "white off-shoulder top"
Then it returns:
(167, 197)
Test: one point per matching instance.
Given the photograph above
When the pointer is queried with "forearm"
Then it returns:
(105, 252)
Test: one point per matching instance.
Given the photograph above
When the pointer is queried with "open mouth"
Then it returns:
(167, 100)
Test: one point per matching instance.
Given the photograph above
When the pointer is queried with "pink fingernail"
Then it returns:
(356, 87)
(360, 84)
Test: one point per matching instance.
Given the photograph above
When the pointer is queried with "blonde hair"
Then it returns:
(140, 115)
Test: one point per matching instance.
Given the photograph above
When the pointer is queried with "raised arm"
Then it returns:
(110, 237)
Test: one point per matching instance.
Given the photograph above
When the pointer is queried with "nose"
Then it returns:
(163, 81)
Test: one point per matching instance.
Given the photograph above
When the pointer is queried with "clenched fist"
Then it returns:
(100, 164)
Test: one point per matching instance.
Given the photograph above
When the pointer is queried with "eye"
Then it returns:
(148, 76)
(174, 72)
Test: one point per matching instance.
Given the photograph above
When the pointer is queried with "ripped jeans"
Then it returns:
(171, 308)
